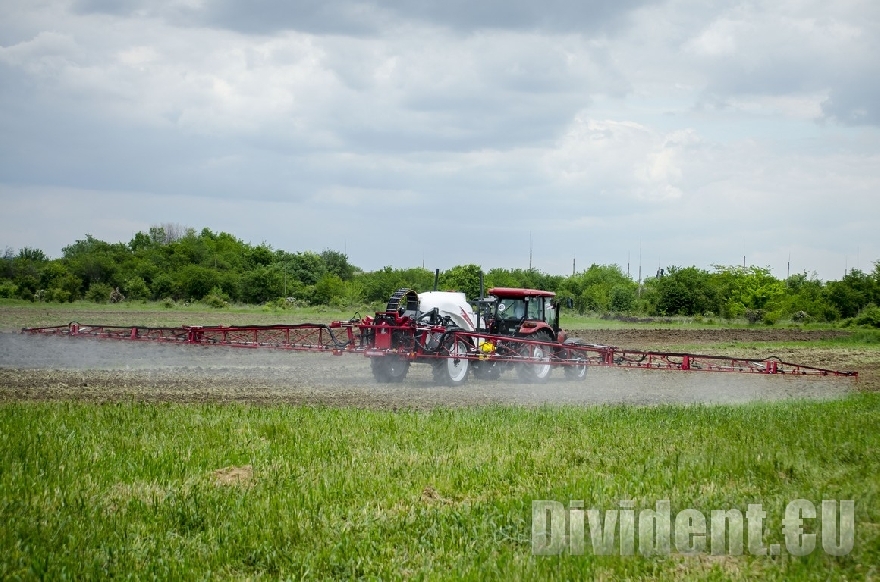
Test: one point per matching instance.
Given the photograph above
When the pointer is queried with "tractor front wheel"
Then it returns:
(537, 372)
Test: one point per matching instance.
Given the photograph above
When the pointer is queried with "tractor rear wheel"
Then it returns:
(577, 371)
(541, 371)
(389, 369)
(452, 370)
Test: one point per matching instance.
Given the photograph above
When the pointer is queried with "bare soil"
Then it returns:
(53, 368)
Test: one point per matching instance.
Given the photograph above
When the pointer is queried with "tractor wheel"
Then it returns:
(389, 369)
(453, 371)
(487, 370)
(537, 372)
(578, 371)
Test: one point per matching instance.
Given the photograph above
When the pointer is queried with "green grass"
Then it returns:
(17, 313)
(862, 339)
(128, 489)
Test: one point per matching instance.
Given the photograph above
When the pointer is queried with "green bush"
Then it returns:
(58, 295)
(216, 298)
(772, 317)
(136, 288)
(801, 317)
(99, 293)
(869, 316)
(328, 288)
(168, 303)
(622, 298)
(281, 303)
(8, 290)
(755, 315)
(214, 301)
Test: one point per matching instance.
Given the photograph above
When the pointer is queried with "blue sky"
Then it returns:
(442, 133)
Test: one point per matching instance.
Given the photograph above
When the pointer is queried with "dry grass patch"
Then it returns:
(232, 476)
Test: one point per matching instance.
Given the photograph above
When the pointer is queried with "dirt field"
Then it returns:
(40, 368)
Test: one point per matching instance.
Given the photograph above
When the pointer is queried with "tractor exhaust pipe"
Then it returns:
(482, 294)
(436, 278)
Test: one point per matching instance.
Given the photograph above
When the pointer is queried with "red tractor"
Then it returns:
(529, 314)
(443, 329)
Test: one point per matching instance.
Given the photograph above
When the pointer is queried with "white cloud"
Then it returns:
(694, 128)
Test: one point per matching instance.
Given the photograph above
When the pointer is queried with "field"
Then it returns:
(186, 462)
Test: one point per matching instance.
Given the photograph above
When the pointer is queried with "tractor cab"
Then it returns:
(520, 312)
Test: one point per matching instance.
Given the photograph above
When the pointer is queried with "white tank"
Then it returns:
(450, 304)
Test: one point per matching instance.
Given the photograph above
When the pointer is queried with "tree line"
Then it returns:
(170, 263)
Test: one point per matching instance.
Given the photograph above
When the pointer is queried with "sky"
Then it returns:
(408, 133)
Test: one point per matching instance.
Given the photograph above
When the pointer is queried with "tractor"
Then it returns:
(529, 314)
(442, 328)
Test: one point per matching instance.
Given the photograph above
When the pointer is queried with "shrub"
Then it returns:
(58, 295)
(772, 317)
(216, 298)
(214, 301)
(8, 290)
(869, 316)
(99, 293)
(801, 317)
(755, 315)
(168, 303)
(328, 288)
(136, 288)
(622, 298)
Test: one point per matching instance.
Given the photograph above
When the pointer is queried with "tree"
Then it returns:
(196, 281)
(306, 267)
(380, 285)
(464, 278)
(136, 288)
(328, 288)
(262, 255)
(746, 288)
(336, 263)
(599, 288)
(262, 284)
(849, 295)
(685, 291)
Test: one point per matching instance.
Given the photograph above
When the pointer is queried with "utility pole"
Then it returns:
(788, 267)
(530, 250)
(627, 265)
(572, 266)
(640, 270)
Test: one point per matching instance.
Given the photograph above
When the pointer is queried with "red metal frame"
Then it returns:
(517, 293)
(360, 336)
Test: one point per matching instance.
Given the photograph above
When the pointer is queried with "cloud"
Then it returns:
(615, 164)
(369, 18)
(695, 128)
(755, 53)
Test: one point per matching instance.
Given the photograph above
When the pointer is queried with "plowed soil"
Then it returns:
(51, 368)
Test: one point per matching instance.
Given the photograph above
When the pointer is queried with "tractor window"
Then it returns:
(511, 309)
(549, 311)
(536, 308)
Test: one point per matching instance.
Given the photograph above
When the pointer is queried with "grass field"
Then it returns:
(195, 491)
(238, 491)
(15, 314)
